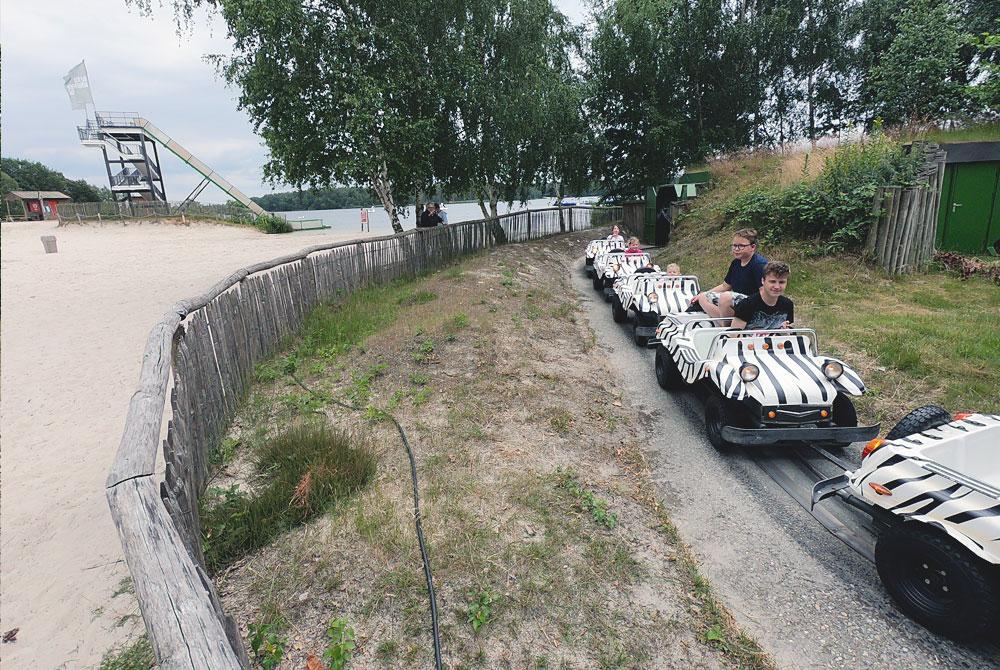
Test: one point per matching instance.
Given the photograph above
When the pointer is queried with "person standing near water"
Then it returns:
(429, 217)
(442, 212)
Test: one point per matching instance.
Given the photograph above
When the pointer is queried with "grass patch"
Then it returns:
(302, 473)
(597, 507)
(135, 656)
(419, 297)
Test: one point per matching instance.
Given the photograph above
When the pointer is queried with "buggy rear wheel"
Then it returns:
(618, 312)
(667, 374)
(598, 282)
(937, 582)
(640, 340)
(919, 420)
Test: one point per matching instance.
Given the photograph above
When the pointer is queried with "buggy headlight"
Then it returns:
(749, 372)
(832, 369)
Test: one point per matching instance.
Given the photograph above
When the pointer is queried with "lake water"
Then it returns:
(349, 220)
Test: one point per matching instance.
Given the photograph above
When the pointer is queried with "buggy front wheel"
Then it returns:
(719, 413)
(937, 582)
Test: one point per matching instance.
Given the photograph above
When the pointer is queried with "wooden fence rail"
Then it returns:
(208, 345)
(902, 237)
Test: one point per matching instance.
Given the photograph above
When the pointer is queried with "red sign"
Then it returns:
(364, 216)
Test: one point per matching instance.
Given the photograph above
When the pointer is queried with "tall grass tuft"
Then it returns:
(300, 474)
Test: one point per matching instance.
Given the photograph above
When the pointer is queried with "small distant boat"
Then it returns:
(565, 202)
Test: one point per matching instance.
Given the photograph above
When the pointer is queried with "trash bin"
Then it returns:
(49, 242)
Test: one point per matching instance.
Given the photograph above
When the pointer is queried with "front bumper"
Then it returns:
(754, 436)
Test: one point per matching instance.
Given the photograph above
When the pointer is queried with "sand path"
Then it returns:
(73, 329)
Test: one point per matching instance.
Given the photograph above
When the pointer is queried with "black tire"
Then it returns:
(640, 340)
(844, 416)
(720, 412)
(598, 282)
(936, 581)
(668, 376)
(919, 420)
(618, 312)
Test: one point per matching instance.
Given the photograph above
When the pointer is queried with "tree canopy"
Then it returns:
(33, 176)
(493, 97)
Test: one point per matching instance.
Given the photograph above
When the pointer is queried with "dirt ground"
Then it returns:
(520, 429)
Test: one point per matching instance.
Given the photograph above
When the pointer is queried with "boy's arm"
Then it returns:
(738, 323)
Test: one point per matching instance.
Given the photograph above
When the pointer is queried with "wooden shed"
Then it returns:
(37, 205)
(969, 215)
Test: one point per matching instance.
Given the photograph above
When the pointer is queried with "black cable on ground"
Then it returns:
(435, 632)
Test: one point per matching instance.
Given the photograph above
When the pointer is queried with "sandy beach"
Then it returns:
(74, 325)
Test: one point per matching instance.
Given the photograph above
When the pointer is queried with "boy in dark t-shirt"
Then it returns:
(743, 278)
(768, 308)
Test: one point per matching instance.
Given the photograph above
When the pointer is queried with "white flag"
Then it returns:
(78, 87)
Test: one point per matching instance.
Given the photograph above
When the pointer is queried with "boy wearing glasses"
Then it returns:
(744, 277)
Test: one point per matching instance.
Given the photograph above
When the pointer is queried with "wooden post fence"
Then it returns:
(901, 239)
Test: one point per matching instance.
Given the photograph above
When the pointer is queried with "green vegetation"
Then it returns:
(481, 606)
(302, 472)
(135, 656)
(597, 507)
(976, 132)
(24, 175)
(340, 649)
(837, 206)
(271, 224)
(267, 644)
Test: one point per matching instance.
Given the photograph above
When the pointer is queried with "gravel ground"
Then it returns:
(808, 599)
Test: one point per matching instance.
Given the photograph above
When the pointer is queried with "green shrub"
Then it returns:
(271, 224)
(300, 474)
(835, 208)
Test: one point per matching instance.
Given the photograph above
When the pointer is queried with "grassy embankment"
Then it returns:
(548, 546)
(916, 339)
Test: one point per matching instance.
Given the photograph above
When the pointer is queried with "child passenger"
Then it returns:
(673, 270)
(633, 247)
(616, 235)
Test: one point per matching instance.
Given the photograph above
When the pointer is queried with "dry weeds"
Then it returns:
(509, 393)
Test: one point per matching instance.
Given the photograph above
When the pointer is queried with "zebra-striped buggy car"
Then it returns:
(611, 265)
(597, 247)
(933, 489)
(764, 387)
(651, 295)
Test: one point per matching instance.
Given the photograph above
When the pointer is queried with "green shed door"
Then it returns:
(968, 210)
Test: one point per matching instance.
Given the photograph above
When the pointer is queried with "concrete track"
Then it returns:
(810, 600)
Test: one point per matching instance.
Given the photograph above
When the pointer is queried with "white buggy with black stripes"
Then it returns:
(611, 265)
(597, 247)
(933, 489)
(646, 297)
(763, 387)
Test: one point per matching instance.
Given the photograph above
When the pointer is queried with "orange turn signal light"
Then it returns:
(823, 413)
(871, 446)
(750, 346)
(962, 415)
(765, 345)
(772, 414)
(879, 489)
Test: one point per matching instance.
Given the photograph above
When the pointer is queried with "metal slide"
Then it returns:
(207, 172)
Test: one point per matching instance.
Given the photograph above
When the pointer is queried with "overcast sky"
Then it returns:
(136, 64)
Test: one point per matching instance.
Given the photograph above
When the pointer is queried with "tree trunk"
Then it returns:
(559, 197)
(383, 189)
(482, 204)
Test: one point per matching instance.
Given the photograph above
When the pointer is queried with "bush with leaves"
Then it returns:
(835, 208)
(272, 224)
